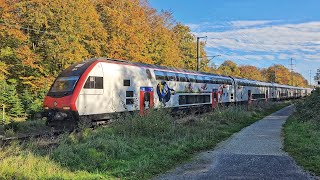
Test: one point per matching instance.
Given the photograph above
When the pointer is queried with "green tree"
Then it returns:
(10, 98)
(187, 45)
(32, 102)
(229, 68)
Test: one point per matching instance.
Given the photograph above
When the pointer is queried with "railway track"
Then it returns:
(187, 116)
(54, 133)
(25, 137)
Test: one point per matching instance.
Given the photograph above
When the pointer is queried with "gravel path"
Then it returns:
(253, 153)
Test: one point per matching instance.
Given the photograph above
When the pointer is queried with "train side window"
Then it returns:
(182, 78)
(129, 98)
(190, 99)
(129, 101)
(177, 76)
(182, 100)
(193, 99)
(171, 76)
(207, 80)
(206, 98)
(94, 82)
(129, 94)
(214, 81)
(199, 79)
(192, 78)
(160, 75)
(126, 82)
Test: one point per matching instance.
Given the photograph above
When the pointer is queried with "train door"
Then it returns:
(249, 96)
(146, 99)
(215, 98)
(267, 95)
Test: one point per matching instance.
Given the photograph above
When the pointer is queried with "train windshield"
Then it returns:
(64, 84)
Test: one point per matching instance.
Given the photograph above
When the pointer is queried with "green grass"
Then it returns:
(133, 147)
(22, 164)
(302, 134)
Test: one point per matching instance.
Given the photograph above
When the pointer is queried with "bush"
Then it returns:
(155, 123)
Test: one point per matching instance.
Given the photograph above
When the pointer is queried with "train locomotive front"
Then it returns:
(60, 103)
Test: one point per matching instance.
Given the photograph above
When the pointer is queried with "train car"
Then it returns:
(95, 89)
(253, 90)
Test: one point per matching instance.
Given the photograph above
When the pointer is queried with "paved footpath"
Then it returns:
(253, 153)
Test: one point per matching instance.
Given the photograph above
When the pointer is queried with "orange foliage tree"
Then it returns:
(251, 72)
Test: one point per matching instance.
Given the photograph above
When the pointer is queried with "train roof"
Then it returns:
(76, 69)
(157, 67)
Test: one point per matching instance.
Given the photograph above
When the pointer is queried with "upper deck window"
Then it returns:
(64, 84)
(160, 75)
(191, 78)
(182, 77)
(199, 79)
(171, 76)
(207, 79)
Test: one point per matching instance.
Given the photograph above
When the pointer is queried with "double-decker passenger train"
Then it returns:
(97, 88)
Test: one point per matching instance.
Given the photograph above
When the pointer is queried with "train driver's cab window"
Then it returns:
(64, 84)
(94, 82)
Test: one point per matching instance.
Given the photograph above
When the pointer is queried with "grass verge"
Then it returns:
(16, 163)
(133, 147)
(302, 133)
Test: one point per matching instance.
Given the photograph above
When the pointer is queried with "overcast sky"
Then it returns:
(255, 32)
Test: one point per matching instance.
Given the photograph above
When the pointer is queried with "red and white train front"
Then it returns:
(60, 102)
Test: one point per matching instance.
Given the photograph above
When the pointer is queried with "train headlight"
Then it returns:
(66, 108)
(46, 107)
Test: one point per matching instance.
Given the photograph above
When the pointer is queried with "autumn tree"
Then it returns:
(63, 33)
(299, 80)
(282, 75)
(251, 72)
(129, 32)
